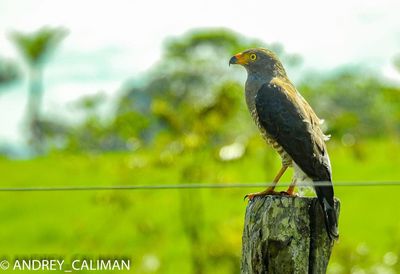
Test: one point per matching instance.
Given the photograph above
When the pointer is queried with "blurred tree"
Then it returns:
(96, 134)
(35, 48)
(8, 71)
(189, 96)
(192, 92)
(357, 103)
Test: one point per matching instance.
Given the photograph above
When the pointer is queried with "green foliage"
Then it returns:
(354, 102)
(36, 47)
(8, 71)
(190, 95)
(218, 43)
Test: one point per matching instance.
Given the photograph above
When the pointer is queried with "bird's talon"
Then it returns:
(291, 194)
(251, 196)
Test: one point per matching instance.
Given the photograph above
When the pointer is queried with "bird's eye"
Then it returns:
(253, 57)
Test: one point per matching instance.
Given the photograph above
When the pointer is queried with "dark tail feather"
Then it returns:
(325, 198)
(331, 221)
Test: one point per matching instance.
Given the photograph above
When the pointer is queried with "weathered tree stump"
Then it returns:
(285, 235)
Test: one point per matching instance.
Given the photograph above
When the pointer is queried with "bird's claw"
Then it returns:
(291, 194)
(251, 196)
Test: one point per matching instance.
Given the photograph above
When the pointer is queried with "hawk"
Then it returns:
(289, 124)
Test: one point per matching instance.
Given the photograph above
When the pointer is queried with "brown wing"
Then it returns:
(306, 110)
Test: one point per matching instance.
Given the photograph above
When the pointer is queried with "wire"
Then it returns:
(189, 186)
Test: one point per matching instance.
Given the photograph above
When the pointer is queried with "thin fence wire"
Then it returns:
(191, 186)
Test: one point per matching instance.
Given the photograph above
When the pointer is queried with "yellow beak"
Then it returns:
(238, 59)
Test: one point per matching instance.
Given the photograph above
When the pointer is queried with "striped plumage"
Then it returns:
(286, 159)
(289, 125)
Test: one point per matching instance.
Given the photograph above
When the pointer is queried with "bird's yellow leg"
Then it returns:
(290, 190)
(270, 189)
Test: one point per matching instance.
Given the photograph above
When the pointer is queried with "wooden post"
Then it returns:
(285, 235)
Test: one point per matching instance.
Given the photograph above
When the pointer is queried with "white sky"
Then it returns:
(114, 40)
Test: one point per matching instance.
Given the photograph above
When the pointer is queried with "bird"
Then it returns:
(289, 124)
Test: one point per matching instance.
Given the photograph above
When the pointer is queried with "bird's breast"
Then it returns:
(286, 159)
(253, 85)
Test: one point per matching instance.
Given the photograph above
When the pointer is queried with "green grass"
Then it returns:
(151, 227)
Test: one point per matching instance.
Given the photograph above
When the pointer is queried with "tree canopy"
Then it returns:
(191, 97)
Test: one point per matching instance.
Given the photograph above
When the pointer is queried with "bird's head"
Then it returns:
(260, 61)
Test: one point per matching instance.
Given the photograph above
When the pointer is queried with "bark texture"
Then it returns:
(285, 235)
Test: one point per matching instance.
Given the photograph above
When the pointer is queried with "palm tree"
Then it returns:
(35, 49)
